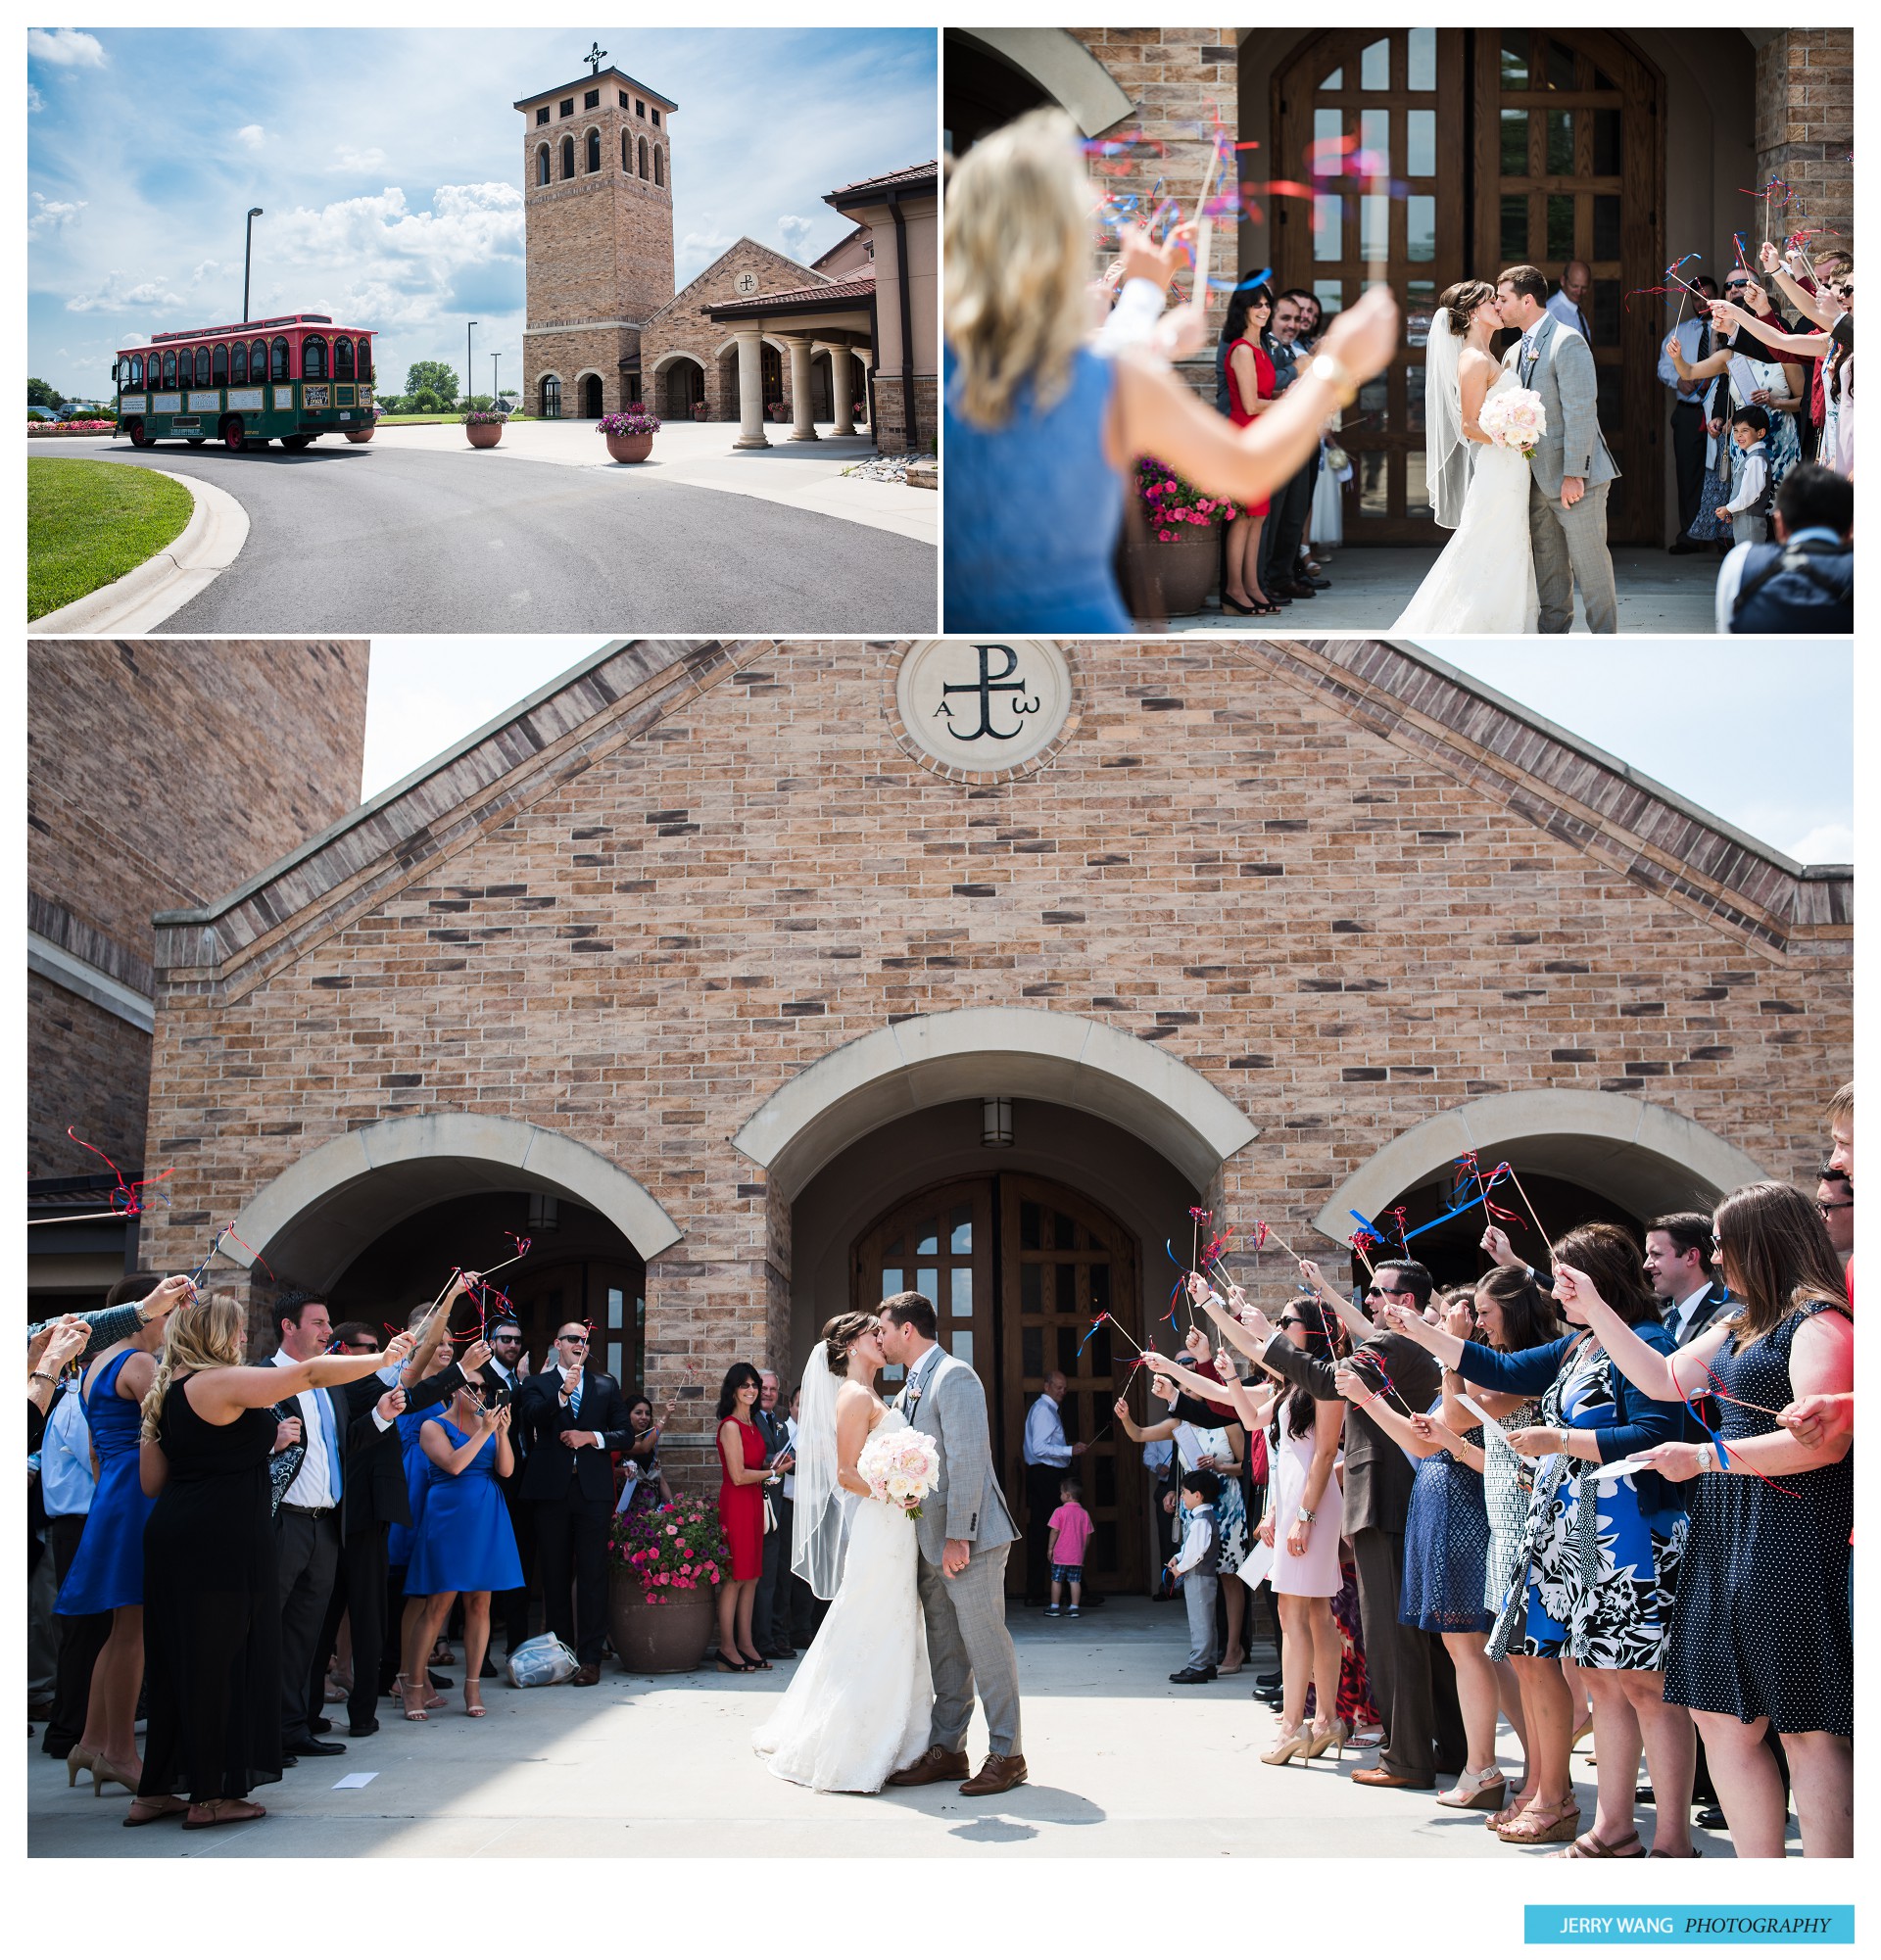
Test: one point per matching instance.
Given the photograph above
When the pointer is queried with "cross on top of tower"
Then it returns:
(595, 56)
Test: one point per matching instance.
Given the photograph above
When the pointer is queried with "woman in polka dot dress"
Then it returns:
(1760, 1634)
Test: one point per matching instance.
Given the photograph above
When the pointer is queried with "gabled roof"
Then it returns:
(834, 292)
(758, 245)
(891, 180)
(589, 81)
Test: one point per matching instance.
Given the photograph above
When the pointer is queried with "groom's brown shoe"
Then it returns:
(998, 1775)
(937, 1765)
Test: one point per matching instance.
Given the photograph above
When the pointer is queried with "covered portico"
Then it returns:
(834, 322)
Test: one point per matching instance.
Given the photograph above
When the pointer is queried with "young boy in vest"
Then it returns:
(1748, 510)
(1196, 1564)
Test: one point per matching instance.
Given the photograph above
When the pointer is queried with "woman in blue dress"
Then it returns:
(1598, 1565)
(1043, 431)
(1760, 1638)
(107, 1575)
(465, 1543)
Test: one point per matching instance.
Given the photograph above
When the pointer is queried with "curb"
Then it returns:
(150, 592)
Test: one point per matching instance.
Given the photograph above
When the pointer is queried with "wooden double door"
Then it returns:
(1504, 146)
(1018, 1269)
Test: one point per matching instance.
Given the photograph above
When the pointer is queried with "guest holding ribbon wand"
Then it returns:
(1760, 1634)
(1594, 1582)
(1038, 423)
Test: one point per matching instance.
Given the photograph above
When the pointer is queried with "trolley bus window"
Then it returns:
(314, 357)
(201, 367)
(136, 370)
(277, 371)
(365, 356)
(341, 360)
(257, 361)
(238, 364)
(170, 367)
(219, 367)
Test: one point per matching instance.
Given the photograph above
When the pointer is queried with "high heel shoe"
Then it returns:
(476, 1707)
(104, 1771)
(1234, 605)
(1485, 1789)
(1296, 1743)
(80, 1757)
(1333, 1735)
(408, 1694)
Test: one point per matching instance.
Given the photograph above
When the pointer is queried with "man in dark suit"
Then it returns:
(771, 1604)
(571, 1418)
(1679, 1269)
(1412, 1680)
(505, 1372)
(372, 1499)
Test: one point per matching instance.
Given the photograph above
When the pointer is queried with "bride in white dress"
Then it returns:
(1484, 579)
(858, 1706)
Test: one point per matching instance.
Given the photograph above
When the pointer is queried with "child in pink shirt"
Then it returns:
(1071, 1528)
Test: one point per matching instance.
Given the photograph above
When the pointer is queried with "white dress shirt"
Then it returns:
(1688, 331)
(314, 1487)
(1045, 1434)
(1569, 315)
(1685, 1310)
(66, 1481)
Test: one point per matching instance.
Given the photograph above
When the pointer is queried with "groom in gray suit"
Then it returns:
(1571, 467)
(963, 1533)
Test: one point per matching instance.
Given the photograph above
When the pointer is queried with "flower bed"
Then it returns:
(72, 428)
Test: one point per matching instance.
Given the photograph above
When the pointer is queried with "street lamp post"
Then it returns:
(248, 253)
(495, 393)
(469, 375)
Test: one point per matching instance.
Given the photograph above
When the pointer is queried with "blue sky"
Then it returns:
(389, 165)
(1756, 731)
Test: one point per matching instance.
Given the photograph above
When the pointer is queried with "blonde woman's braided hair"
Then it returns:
(207, 1333)
(1019, 250)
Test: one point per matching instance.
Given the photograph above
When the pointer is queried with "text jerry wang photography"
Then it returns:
(1130, 1246)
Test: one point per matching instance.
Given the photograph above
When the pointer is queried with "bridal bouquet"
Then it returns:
(1513, 418)
(899, 1468)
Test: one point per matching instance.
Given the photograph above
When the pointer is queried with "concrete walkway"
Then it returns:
(1123, 1765)
(1372, 584)
(808, 476)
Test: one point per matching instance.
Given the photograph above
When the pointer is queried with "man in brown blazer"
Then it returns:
(1411, 1677)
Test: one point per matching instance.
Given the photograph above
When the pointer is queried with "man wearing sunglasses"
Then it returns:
(1412, 1679)
(571, 1418)
(505, 1372)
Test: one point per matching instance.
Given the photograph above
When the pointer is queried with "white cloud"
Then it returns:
(35, 100)
(796, 233)
(356, 160)
(1826, 843)
(252, 134)
(64, 47)
(53, 212)
(118, 295)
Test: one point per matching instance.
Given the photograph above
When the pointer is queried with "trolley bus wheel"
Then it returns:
(234, 437)
(295, 442)
(138, 440)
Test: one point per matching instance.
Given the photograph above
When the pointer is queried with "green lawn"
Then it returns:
(386, 422)
(88, 523)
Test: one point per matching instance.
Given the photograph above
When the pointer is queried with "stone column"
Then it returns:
(864, 360)
(802, 424)
(841, 384)
(751, 390)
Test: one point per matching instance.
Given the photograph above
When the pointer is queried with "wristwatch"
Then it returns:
(1306, 1517)
(1330, 369)
(1706, 1461)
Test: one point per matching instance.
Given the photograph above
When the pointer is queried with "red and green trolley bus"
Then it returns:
(296, 377)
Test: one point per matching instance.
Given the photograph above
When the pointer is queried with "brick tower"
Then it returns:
(597, 212)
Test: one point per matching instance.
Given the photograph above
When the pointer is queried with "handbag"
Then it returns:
(285, 1464)
(770, 1515)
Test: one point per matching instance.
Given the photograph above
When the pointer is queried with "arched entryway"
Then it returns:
(682, 385)
(998, 74)
(772, 362)
(1504, 146)
(822, 389)
(592, 407)
(549, 397)
(1019, 1266)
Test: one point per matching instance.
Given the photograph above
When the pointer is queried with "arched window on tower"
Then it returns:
(643, 157)
(593, 151)
(627, 153)
(660, 167)
(568, 157)
(542, 162)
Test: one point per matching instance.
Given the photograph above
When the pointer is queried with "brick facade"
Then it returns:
(598, 245)
(158, 773)
(891, 425)
(682, 327)
(1346, 889)
(1806, 123)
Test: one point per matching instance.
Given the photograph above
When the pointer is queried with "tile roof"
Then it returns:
(913, 175)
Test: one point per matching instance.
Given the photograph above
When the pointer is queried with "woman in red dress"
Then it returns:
(1250, 393)
(741, 1511)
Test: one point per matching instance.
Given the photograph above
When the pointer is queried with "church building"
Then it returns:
(749, 981)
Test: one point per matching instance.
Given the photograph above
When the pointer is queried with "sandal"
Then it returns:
(1694, 1852)
(1473, 1790)
(408, 1694)
(153, 1807)
(756, 1664)
(735, 1666)
(1587, 1845)
(476, 1707)
(1530, 1829)
(1508, 1814)
(222, 1810)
